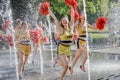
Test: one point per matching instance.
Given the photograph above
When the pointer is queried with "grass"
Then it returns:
(101, 35)
(97, 31)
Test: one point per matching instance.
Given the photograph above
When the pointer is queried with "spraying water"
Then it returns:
(50, 38)
(84, 8)
(8, 14)
(41, 58)
(4, 16)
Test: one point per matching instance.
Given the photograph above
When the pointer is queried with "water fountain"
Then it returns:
(84, 9)
(51, 44)
(8, 14)
(14, 47)
(113, 24)
(41, 58)
(4, 16)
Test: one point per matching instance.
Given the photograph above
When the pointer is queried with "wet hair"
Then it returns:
(17, 21)
(24, 23)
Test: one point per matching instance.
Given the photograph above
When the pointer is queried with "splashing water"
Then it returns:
(41, 58)
(4, 16)
(14, 48)
(7, 14)
(84, 8)
(50, 38)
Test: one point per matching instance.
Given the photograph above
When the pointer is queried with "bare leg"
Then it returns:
(68, 58)
(77, 56)
(85, 58)
(25, 61)
(65, 66)
(26, 58)
(35, 51)
(20, 65)
(35, 48)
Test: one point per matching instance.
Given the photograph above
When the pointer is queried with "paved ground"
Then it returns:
(103, 66)
(112, 50)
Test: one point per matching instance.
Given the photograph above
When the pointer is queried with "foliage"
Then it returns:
(95, 8)
(59, 8)
(100, 38)
(90, 7)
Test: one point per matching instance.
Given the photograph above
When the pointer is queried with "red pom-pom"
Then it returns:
(101, 22)
(9, 40)
(6, 24)
(35, 36)
(57, 37)
(71, 3)
(45, 39)
(44, 8)
(76, 15)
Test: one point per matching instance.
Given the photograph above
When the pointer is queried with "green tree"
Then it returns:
(96, 8)
(59, 8)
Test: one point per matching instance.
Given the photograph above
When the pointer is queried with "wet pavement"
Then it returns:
(103, 66)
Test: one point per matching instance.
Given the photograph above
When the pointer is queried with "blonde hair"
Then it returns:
(62, 24)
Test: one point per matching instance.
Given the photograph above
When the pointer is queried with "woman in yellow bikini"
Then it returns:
(81, 44)
(65, 30)
(23, 47)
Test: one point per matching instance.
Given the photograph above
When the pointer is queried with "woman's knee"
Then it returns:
(87, 54)
(78, 53)
(66, 66)
(26, 59)
(21, 62)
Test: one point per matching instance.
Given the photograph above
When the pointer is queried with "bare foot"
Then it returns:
(71, 70)
(82, 68)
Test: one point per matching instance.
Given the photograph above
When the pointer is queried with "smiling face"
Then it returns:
(64, 21)
(82, 19)
(18, 24)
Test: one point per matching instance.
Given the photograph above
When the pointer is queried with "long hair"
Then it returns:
(81, 17)
(24, 23)
(63, 25)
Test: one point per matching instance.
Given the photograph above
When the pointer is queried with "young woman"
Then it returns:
(81, 44)
(23, 47)
(65, 30)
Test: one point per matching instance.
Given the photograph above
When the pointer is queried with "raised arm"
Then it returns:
(57, 24)
(91, 27)
(53, 16)
(72, 18)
